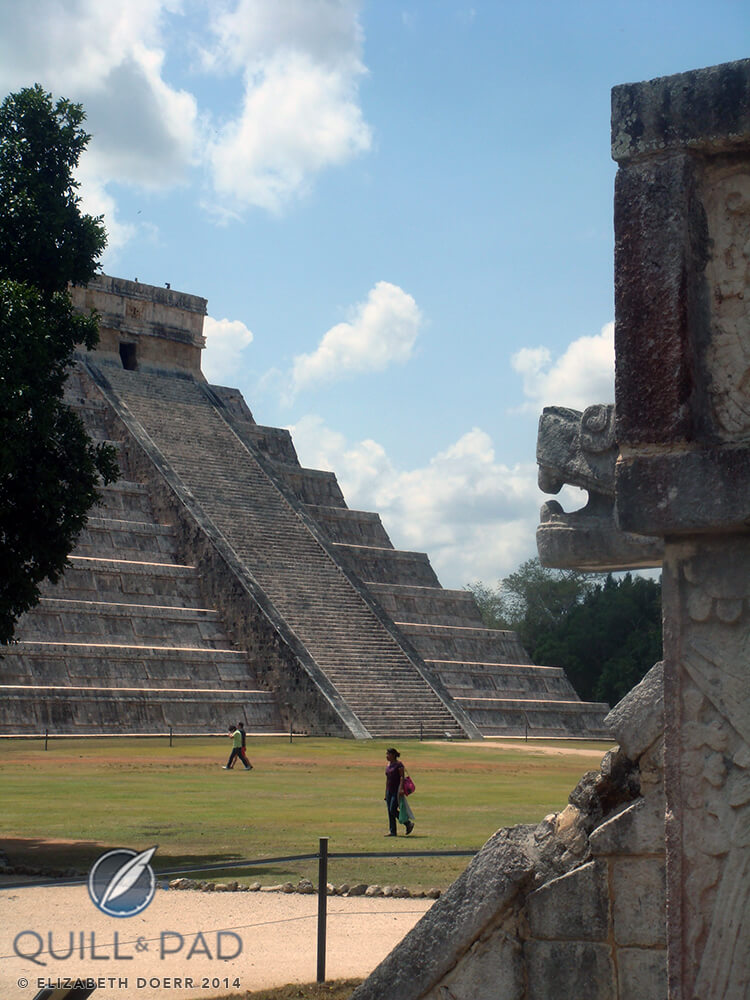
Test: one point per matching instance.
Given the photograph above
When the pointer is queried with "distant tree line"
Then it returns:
(605, 632)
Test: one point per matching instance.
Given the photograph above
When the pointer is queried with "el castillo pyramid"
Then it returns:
(219, 580)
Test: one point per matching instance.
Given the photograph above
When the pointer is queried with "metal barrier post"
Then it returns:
(322, 907)
(170, 736)
(46, 734)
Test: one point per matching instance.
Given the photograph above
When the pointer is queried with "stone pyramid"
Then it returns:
(220, 580)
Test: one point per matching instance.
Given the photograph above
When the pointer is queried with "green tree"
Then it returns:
(490, 605)
(536, 598)
(531, 600)
(604, 632)
(49, 467)
(610, 639)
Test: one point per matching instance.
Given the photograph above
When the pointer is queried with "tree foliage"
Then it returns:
(604, 632)
(45, 240)
(49, 467)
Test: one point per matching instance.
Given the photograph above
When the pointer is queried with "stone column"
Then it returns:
(682, 339)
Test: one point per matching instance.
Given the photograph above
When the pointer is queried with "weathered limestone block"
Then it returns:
(573, 907)
(638, 719)
(638, 829)
(642, 974)
(457, 920)
(681, 229)
(707, 590)
(493, 971)
(638, 902)
(569, 969)
(570, 829)
(682, 295)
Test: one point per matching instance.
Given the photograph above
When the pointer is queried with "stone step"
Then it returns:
(491, 679)
(450, 642)
(83, 710)
(116, 580)
(354, 527)
(95, 414)
(112, 664)
(427, 605)
(142, 541)
(466, 694)
(124, 500)
(273, 443)
(122, 623)
(374, 564)
(311, 486)
(513, 717)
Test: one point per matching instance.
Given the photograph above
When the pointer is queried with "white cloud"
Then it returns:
(225, 341)
(145, 132)
(328, 30)
(96, 201)
(110, 59)
(583, 375)
(300, 63)
(382, 331)
(474, 516)
(294, 68)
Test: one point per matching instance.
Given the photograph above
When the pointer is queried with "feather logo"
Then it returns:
(122, 883)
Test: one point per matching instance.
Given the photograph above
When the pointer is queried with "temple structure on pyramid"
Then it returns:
(219, 580)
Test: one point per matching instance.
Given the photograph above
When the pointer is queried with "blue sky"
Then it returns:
(400, 214)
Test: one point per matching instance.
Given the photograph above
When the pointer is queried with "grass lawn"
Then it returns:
(63, 807)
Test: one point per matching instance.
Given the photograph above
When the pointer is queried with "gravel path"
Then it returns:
(174, 948)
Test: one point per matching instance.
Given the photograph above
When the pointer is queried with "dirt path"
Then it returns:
(541, 748)
(187, 944)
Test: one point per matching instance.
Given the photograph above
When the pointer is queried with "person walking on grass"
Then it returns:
(243, 752)
(394, 790)
(236, 746)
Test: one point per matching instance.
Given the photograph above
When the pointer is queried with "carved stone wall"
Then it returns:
(682, 338)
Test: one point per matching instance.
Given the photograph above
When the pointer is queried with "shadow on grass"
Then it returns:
(60, 856)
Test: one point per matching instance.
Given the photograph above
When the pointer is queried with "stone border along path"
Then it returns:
(306, 888)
